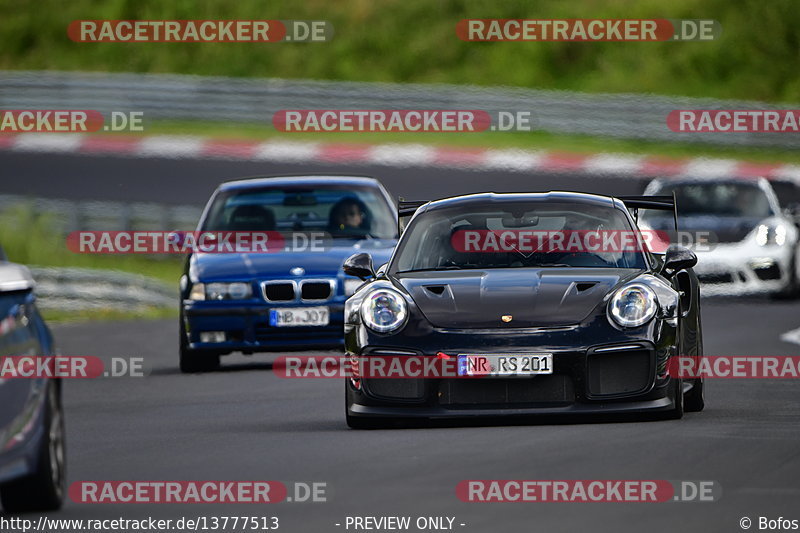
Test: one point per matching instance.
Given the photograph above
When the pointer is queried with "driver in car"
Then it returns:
(349, 217)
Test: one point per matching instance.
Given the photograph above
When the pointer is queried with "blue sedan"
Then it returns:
(292, 298)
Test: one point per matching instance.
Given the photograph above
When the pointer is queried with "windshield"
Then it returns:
(517, 235)
(745, 200)
(788, 192)
(344, 212)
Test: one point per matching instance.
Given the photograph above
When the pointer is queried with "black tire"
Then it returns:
(694, 401)
(676, 413)
(194, 361)
(792, 289)
(44, 489)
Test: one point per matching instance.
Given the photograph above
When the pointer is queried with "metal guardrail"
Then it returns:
(85, 288)
(91, 215)
(256, 100)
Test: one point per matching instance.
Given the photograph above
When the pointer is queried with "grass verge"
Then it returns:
(34, 239)
(93, 315)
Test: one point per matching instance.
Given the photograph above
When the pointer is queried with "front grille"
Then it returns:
(315, 290)
(615, 373)
(715, 278)
(279, 292)
(502, 392)
(768, 273)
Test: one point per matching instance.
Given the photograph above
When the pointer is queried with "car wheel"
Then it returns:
(194, 361)
(792, 288)
(694, 401)
(43, 490)
(676, 412)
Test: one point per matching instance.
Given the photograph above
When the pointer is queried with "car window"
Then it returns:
(16, 337)
(788, 192)
(462, 237)
(344, 212)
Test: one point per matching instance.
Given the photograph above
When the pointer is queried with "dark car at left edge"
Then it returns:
(32, 443)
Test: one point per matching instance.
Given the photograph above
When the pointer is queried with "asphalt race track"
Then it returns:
(191, 181)
(245, 423)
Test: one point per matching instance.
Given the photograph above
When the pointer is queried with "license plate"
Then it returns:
(505, 365)
(299, 316)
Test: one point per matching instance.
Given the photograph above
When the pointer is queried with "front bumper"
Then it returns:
(659, 405)
(247, 328)
(740, 269)
(623, 374)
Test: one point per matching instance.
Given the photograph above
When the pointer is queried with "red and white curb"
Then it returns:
(396, 155)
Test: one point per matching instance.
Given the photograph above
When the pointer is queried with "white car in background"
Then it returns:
(752, 245)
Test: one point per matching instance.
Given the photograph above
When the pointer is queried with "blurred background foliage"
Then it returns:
(757, 56)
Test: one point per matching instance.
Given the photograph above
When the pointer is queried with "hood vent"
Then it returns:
(585, 285)
(438, 290)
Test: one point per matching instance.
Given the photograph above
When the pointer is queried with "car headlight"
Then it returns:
(198, 292)
(780, 235)
(228, 291)
(633, 305)
(771, 234)
(384, 310)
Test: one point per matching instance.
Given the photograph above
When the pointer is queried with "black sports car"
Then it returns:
(548, 329)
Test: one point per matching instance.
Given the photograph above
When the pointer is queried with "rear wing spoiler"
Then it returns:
(405, 210)
(662, 203)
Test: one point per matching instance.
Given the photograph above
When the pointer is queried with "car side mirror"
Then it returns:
(678, 258)
(360, 266)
